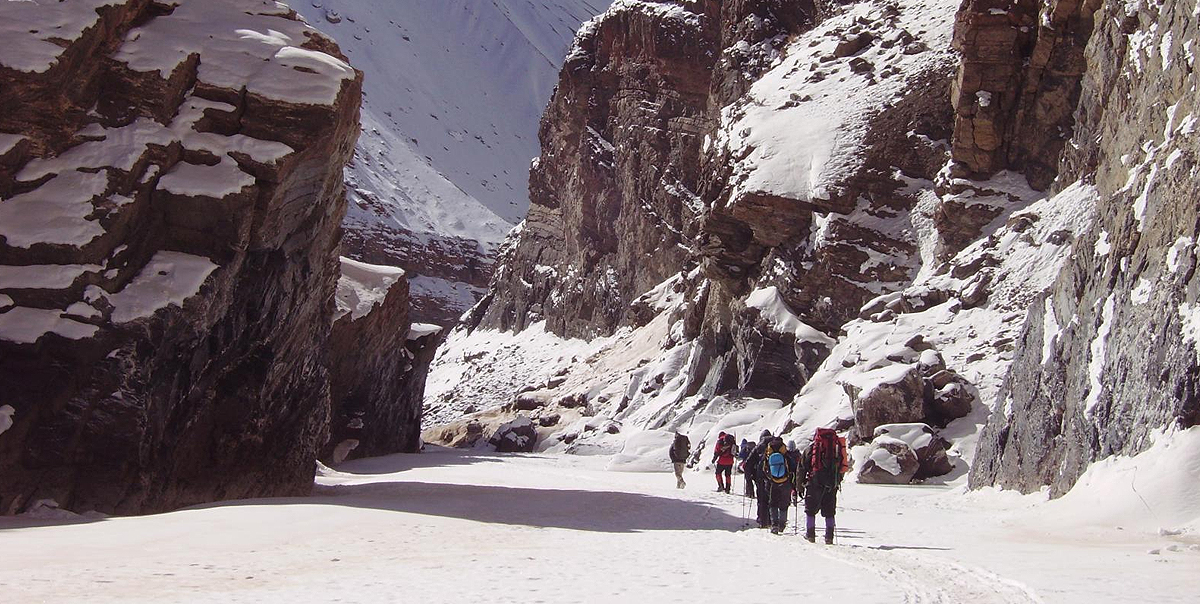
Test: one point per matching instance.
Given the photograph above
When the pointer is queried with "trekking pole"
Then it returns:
(796, 522)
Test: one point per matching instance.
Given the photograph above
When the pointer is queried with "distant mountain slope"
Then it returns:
(453, 94)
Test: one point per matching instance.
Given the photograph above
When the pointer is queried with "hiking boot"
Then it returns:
(828, 539)
(810, 536)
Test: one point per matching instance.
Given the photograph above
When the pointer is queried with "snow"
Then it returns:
(454, 91)
(362, 286)
(775, 310)
(884, 458)
(169, 278)
(1141, 293)
(803, 149)
(8, 142)
(916, 436)
(1189, 315)
(421, 330)
(1157, 491)
(1102, 245)
(1175, 252)
(198, 180)
(1050, 330)
(43, 276)
(26, 325)
(56, 212)
(452, 526)
(29, 30)
(242, 47)
(6, 417)
(1099, 350)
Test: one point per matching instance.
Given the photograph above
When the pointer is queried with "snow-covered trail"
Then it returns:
(449, 526)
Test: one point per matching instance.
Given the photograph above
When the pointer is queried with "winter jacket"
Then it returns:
(680, 449)
(754, 460)
(747, 448)
(723, 453)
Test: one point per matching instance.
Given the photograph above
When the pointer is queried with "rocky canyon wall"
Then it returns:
(1109, 357)
(171, 182)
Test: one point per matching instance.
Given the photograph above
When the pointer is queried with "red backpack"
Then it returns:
(828, 458)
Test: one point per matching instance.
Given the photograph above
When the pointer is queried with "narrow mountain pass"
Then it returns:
(453, 526)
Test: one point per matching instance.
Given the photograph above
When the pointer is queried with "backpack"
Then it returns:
(778, 466)
(827, 459)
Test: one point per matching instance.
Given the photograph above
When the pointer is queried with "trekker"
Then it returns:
(754, 465)
(680, 449)
(743, 455)
(779, 476)
(723, 457)
(822, 467)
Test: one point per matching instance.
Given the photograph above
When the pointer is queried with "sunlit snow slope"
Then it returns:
(453, 94)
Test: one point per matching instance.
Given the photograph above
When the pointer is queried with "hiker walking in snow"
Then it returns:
(822, 466)
(680, 449)
(754, 468)
(779, 477)
(747, 473)
(723, 457)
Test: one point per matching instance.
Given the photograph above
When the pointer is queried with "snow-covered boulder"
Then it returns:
(891, 461)
(897, 396)
(516, 436)
(929, 447)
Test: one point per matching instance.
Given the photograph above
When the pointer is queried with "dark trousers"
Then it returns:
(764, 503)
(728, 472)
(749, 485)
(820, 498)
(780, 497)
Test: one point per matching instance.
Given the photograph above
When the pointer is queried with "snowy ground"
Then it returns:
(449, 526)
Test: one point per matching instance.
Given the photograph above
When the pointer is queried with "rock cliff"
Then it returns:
(171, 184)
(1108, 358)
(975, 217)
(614, 207)
(378, 362)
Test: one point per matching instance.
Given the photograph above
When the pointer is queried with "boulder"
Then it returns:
(516, 436)
(890, 461)
(901, 400)
(929, 447)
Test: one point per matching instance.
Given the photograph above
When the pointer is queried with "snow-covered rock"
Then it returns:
(169, 222)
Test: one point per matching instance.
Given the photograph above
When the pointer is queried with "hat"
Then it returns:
(765, 433)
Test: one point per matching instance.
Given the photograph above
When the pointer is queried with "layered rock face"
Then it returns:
(1109, 357)
(378, 362)
(614, 196)
(171, 182)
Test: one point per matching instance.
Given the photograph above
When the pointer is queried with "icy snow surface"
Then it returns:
(449, 526)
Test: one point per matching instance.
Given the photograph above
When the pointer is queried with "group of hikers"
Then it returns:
(778, 474)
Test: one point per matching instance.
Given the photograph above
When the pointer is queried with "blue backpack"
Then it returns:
(778, 465)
